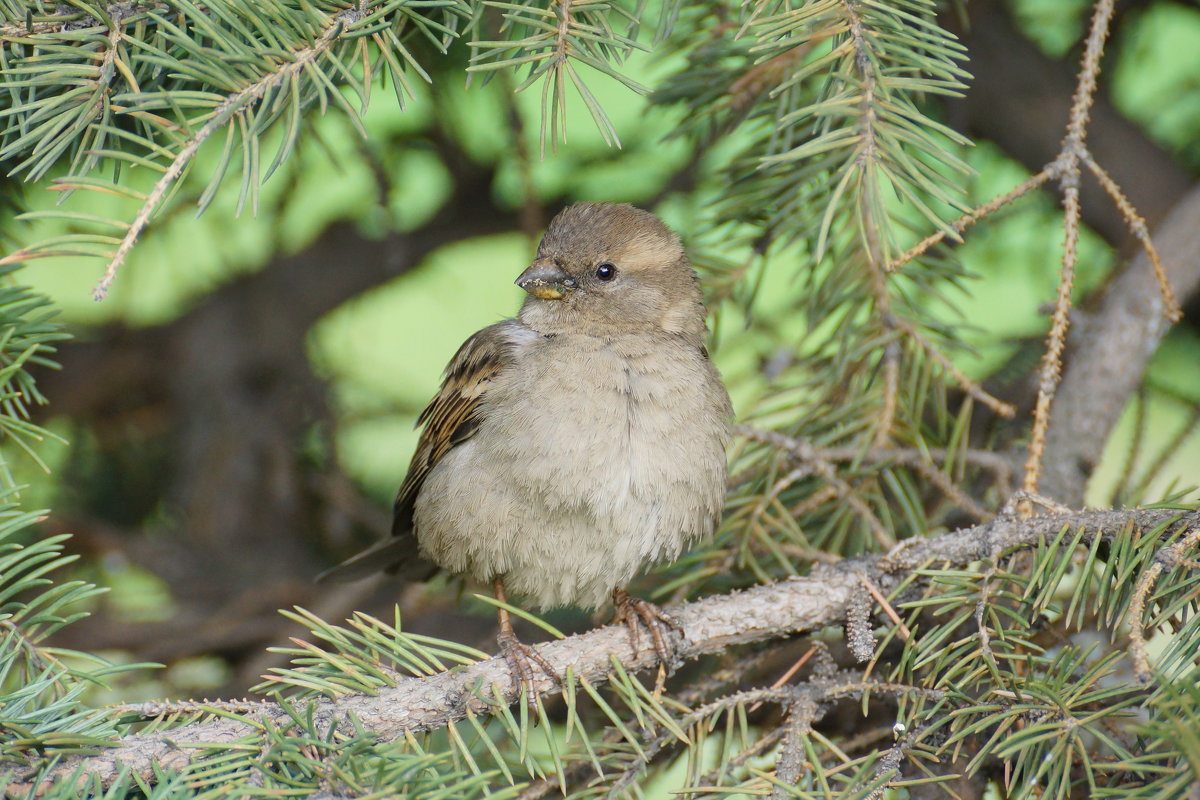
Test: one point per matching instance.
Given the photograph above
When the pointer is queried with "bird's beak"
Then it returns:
(546, 280)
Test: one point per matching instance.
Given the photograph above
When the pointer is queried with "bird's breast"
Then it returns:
(592, 460)
(607, 424)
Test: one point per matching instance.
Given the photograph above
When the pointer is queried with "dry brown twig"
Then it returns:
(1108, 363)
(957, 375)
(961, 224)
(808, 505)
(1068, 160)
(1066, 170)
(1165, 560)
(815, 463)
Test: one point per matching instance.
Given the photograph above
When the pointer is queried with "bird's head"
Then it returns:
(611, 268)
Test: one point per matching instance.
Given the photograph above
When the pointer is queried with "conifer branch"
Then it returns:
(924, 461)
(220, 116)
(711, 625)
(968, 219)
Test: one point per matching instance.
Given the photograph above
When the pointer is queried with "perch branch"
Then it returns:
(708, 626)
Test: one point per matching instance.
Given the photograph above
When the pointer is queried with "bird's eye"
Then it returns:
(606, 272)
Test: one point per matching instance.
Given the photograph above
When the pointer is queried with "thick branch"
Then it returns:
(1116, 345)
(708, 626)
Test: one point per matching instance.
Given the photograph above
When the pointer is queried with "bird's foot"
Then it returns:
(634, 612)
(521, 660)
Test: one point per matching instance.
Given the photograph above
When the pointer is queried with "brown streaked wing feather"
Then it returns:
(449, 420)
(453, 414)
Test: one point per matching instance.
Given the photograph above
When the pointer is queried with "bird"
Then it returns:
(573, 446)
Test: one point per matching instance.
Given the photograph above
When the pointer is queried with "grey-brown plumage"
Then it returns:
(581, 442)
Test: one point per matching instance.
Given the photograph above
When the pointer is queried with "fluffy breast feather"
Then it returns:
(568, 511)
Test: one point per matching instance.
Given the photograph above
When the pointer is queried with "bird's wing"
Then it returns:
(450, 419)
(452, 416)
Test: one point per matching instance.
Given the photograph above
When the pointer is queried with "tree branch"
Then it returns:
(708, 626)
(216, 121)
(1116, 345)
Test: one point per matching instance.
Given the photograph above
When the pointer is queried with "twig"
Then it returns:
(656, 747)
(882, 535)
(888, 765)
(810, 504)
(943, 482)
(789, 766)
(917, 459)
(155, 709)
(867, 146)
(787, 675)
(969, 386)
(553, 107)
(1108, 365)
(1022, 498)
(777, 488)
(985, 638)
(891, 392)
(810, 704)
(973, 216)
(44, 661)
(1167, 559)
(873, 590)
(794, 668)
(63, 17)
(1072, 151)
(825, 469)
(1137, 225)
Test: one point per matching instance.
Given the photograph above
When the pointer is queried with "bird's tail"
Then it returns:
(396, 555)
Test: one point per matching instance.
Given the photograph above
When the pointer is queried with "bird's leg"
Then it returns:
(631, 610)
(520, 656)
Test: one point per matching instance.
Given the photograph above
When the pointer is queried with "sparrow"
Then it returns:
(571, 447)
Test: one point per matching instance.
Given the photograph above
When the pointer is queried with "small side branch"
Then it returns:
(819, 460)
(1109, 364)
(1165, 561)
(1072, 152)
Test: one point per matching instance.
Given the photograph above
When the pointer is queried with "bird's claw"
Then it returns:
(634, 612)
(521, 659)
